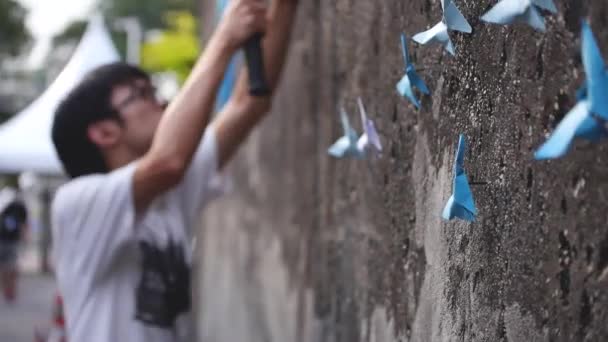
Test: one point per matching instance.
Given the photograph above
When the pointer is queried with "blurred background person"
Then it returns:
(13, 224)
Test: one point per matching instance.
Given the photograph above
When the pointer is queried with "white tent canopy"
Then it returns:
(25, 140)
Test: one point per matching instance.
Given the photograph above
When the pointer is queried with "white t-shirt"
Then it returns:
(125, 278)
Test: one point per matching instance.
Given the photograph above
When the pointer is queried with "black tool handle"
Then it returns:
(258, 86)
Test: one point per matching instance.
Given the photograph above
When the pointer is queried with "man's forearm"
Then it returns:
(183, 124)
(244, 111)
(281, 22)
(181, 127)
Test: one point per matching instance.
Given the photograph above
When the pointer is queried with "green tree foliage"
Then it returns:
(174, 49)
(175, 46)
(13, 33)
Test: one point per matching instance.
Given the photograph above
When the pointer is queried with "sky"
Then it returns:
(48, 17)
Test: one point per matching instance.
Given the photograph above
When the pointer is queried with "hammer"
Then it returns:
(258, 86)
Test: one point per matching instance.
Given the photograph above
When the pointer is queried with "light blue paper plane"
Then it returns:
(461, 204)
(581, 121)
(453, 20)
(526, 11)
(346, 146)
(595, 69)
(405, 87)
(369, 140)
(577, 123)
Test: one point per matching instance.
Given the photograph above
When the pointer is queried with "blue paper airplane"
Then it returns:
(346, 146)
(351, 145)
(461, 203)
(595, 69)
(527, 11)
(405, 87)
(588, 118)
(369, 139)
(453, 20)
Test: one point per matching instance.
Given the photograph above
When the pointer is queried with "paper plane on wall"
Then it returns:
(369, 140)
(351, 145)
(452, 20)
(460, 204)
(345, 146)
(410, 80)
(526, 11)
(588, 118)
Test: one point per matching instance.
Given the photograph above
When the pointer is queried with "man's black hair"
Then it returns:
(87, 104)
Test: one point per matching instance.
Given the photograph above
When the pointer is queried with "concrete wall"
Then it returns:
(313, 249)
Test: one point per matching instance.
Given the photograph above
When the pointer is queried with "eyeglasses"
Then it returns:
(146, 92)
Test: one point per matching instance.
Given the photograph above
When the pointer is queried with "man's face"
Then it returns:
(140, 111)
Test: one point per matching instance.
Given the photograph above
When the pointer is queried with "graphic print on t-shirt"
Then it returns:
(163, 292)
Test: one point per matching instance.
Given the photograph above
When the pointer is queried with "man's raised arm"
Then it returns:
(243, 111)
(182, 126)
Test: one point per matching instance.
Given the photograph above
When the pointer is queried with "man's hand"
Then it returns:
(241, 20)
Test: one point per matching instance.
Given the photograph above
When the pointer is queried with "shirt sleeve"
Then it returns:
(203, 181)
(92, 218)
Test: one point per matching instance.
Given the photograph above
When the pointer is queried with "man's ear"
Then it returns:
(105, 133)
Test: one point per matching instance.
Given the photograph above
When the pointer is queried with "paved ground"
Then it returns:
(32, 308)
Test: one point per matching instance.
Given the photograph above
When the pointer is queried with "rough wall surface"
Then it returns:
(313, 249)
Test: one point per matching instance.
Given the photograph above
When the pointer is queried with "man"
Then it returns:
(13, 223)
(123, 226)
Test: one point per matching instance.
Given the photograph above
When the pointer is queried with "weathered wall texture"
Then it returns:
(313, 249)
